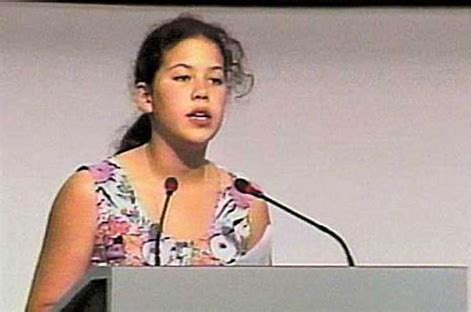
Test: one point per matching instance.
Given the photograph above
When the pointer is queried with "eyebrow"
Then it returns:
(215, 67)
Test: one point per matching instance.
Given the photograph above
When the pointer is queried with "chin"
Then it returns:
(198, 144)
(200, 140)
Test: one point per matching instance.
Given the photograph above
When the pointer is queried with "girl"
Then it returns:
(108, 213)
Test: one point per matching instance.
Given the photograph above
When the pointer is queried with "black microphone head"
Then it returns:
(246, 187)
(241, 185)
(171, 185)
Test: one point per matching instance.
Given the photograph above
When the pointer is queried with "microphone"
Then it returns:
(171, 185)
(246, 187)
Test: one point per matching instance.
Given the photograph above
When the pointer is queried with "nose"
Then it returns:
(200, 90)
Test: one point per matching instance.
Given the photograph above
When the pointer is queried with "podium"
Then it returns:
(276, 288)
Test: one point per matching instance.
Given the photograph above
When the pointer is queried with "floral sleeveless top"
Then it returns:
(126, 237)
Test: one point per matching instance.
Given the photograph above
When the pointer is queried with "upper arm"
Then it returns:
(68, 243)
(259, 220)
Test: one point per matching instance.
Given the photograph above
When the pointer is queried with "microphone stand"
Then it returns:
(319, 226)
(244, 186)
(171, 185)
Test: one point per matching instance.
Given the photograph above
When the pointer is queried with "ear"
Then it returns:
(142, 96)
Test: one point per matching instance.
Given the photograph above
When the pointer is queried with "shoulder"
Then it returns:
(77, 191)
(105, 170)
(81, 181)
(227, 179)
(258, 211)
(78, 194)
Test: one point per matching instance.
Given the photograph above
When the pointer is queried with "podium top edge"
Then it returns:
(288, 266)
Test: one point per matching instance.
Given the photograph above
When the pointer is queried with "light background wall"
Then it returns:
(360, 118)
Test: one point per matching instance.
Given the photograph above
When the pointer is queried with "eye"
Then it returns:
(182, 78)
(217, 81)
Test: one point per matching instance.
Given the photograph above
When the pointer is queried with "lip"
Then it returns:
(200, 117)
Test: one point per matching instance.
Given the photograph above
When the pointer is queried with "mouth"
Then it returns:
(199, 115)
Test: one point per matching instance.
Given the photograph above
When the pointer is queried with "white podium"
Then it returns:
(277, 288)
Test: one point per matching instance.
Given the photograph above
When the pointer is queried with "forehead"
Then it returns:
(198, 51)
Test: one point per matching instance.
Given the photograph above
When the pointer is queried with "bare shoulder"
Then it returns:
(81, 181)
(74, 209)
(78, 189)
(72, 222)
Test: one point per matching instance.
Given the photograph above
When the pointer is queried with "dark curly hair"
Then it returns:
(162, 39)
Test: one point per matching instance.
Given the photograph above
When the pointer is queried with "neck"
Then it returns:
(169, 160)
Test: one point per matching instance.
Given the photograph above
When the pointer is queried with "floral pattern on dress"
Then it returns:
(126, 237)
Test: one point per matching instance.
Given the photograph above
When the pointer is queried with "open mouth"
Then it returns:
(199, 115)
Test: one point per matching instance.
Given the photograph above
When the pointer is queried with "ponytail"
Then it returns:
(136, 135)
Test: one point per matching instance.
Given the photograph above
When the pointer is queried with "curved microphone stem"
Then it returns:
(319, 226)
(160, 228)
(171, 185)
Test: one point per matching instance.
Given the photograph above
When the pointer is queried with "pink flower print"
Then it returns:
(146, 233)
(241, 229)
(103, 172)
(241, 200)
(116, 250)
(172, 252)
(134, 229)
(148, 252)
(119, 225)
(99, 254)
(134, 261)
(129, 212)
(126, 190)
(223, 248)
(175, 253)
(102, 234)
(132, 246)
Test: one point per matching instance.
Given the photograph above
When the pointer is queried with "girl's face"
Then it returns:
(189, 92)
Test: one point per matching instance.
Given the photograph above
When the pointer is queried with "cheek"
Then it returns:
(220, 111)
(222, 98)
(167, 98)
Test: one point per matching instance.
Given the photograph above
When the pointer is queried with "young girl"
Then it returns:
(108, 213)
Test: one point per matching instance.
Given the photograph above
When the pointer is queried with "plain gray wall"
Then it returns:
(360, 118)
